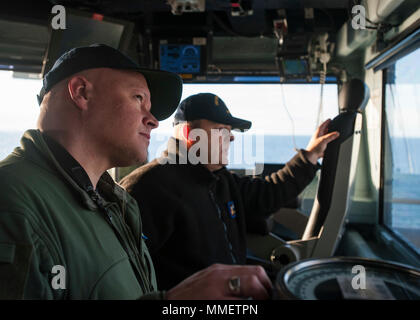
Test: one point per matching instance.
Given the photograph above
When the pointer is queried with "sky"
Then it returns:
(19, 108)
(261, 103)
(403, 97)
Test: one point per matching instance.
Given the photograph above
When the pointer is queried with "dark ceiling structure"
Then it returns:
(251, 37)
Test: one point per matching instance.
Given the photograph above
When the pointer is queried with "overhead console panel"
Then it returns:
(203, 41)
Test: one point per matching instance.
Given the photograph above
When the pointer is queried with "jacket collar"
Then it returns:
(177, 154)
(69, 164)
(38, 148)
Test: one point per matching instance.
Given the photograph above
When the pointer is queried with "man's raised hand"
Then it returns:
(319, 141)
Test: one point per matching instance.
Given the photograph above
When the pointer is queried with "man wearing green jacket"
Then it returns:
(67, 231)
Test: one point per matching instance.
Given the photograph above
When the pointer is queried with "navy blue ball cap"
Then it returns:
(208, 106)
(165, 87)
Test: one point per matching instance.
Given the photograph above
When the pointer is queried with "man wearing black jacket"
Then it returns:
(194, 211)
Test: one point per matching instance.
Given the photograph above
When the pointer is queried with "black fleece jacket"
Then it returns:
(193, 218)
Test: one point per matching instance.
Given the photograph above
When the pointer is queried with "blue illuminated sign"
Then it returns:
(180, 58)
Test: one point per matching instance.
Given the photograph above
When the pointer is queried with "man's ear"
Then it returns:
(79, 88)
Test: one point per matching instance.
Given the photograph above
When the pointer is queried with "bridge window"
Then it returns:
(19, 109)
(282, 119)
(402, 150)
(263, 104)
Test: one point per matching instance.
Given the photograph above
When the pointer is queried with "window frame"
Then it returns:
(409, 250)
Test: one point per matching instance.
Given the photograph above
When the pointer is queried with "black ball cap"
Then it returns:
(165, 87)
(208, 106)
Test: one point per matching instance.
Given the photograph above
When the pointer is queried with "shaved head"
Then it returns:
(102, 114)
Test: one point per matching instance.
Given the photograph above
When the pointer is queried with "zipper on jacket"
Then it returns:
(219, 212)
(124, 242)
(144, 270)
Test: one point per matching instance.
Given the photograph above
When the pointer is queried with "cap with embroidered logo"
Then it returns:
(210, 107)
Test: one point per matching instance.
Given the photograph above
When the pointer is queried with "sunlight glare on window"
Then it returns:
(19, 110)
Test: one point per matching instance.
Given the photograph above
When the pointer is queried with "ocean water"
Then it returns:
(280, 149)
(405, 182)
(273, 149)
(246, 150)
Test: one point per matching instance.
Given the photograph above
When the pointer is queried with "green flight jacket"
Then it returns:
(55, 243)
